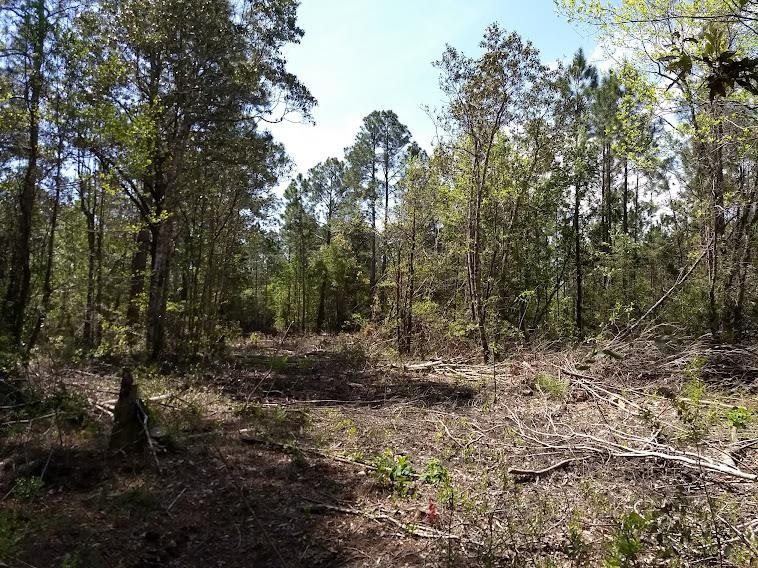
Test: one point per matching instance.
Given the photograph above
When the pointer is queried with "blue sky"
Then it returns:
(363, 55)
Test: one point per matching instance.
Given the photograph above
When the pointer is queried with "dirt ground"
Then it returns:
(321, 452)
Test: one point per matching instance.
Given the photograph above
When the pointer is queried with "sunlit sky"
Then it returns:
(363, 55)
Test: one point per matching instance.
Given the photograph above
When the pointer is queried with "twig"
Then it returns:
(176, 499)
(28, 420)
(149, 438)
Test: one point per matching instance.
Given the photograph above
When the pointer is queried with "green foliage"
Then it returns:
(694, 371)
(138, 502)
(435, 473)
(28, 488)
(278, 363)
(690, 410)
(551, 386)
(71, 560)
(578, 549)
(9, 357)
(71, 408)
(739, 417)
(394, 471)
(627, 543)
(11, 531)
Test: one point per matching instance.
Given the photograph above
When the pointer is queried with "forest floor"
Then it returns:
(322, 452)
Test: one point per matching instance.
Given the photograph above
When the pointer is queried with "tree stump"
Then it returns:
(128, 425)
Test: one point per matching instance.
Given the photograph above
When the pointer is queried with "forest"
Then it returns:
(532, 343)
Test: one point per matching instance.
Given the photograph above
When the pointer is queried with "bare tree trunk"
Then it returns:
(625, 199)
(474, 256)
(372, 270)
(608, 197)
(322, 289)
(88, 203)
(98, 308)
(382, 292)
(408, 320)
(604, 221)
(717, 246)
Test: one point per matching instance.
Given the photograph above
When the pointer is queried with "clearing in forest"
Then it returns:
(317, 452)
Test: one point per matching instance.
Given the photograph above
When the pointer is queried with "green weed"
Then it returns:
(552, 386)
(435, 473)
(28, 488)
(395, 471)
(11, 532)
(739, 417)
(278, 363)
(627, 543)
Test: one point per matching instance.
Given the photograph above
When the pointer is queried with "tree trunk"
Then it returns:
(625, 199)
(578, 262)
(162, 245)
(474, 258)
(138, 267)
(47, 279)
(89, 307)
(408, 321)
(716, 247)
(382, 292)
(608, 197)
(373, 198)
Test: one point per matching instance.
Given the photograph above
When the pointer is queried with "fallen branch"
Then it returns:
(413, 528)
(545, 471)
(288, 448)
(679, 281)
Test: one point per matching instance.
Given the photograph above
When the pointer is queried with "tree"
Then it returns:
(298, 234)
(159, 80)
(328, 192)
(30, 28)
(580, 82)
(703, 55)
(485, 96)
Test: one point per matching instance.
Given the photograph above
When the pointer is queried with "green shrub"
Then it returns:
(71, 409)
(627, 544)
(694, 368)
(138, 502)
(739, 417)
(395, 471)
(278, 363)
(435, 473)
(11, 531)
(28, 488)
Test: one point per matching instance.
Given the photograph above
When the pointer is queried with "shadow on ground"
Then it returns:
(336, 377)
(219, 504)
